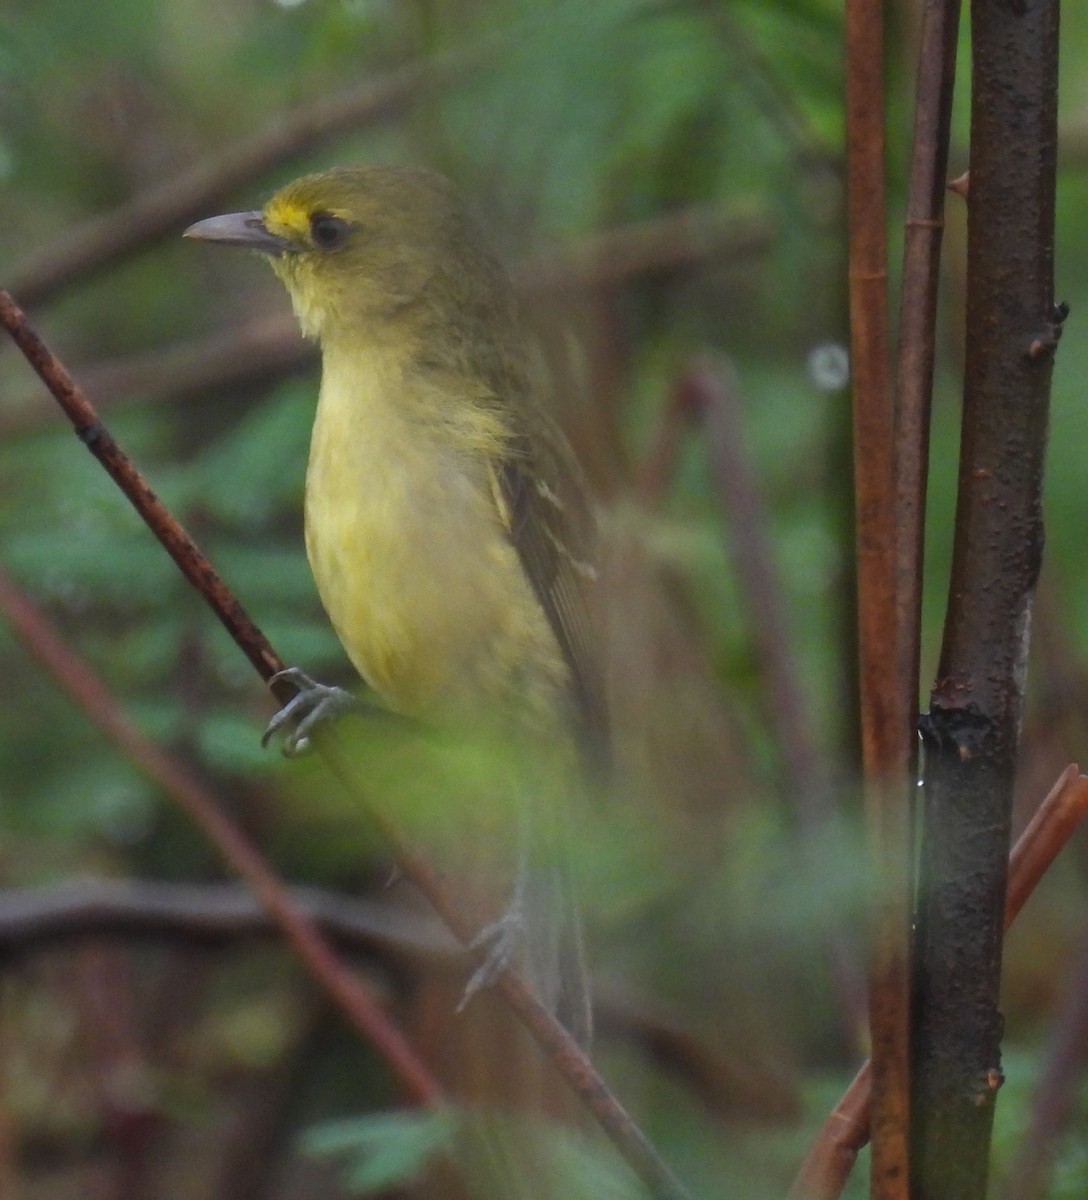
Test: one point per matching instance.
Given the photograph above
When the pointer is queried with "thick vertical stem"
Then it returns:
(972, 729)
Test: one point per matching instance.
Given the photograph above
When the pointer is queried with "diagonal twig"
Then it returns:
(553, 1039)
(824, 1172)
(353, 998)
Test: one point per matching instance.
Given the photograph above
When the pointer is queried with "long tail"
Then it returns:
(554, 956)
(555, 962)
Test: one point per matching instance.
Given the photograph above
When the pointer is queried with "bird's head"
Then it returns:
(356, 245)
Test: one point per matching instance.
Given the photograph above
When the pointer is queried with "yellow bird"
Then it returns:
(447, 522)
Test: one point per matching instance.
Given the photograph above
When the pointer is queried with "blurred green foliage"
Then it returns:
(574, 119)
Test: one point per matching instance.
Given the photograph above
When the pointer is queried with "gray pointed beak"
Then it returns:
(238, 229)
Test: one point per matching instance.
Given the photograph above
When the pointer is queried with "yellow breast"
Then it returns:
(410, 557)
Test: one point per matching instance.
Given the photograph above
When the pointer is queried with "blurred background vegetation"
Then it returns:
(665, 179)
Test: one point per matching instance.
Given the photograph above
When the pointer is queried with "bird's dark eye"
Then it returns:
(329, 232)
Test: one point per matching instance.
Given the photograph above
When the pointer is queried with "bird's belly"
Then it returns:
(418, 577)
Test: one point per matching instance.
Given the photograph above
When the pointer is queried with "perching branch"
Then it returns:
(973, 725)
(553, 1039)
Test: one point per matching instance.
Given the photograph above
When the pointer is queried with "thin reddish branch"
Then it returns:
(831, 1157)
(563, 1051)
(917, 320)
(177, 543)
(1046, 833)
(549, 1034)
(887, 714)
(92, 696)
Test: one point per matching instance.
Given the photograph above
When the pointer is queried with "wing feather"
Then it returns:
(544, 503)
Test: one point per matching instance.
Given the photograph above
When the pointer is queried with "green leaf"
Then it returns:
(385, 1149)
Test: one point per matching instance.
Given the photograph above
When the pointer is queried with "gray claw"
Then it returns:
(314, 705)
(503, 939)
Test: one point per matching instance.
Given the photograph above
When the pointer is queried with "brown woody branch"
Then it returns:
(353, 998)
(887, 713)
(553, 1039)
(208, 912)
(972, 730)
(917, 323)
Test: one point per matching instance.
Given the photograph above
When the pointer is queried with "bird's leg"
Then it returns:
(505, 937)
(314, 705)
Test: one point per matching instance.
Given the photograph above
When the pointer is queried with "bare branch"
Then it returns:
(917, 324)
(353, 998)
(553, 1039)
(209, 912)
(887, 717)
(972, 729)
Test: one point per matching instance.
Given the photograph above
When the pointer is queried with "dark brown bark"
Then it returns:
(972, 729)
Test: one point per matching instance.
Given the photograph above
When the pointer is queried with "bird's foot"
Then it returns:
(504, 939)
(315, 705)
